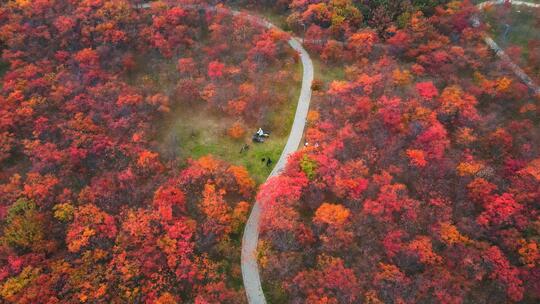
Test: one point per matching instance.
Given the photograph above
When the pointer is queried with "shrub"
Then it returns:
(236, 131)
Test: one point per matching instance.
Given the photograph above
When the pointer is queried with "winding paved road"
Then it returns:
(250, 239)
(500, 52)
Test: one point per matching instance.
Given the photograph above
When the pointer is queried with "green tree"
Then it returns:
(24, 228)
(309, 166)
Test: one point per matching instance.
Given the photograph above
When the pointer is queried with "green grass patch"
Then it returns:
(193, 132)
(327, 72)
(4, 66)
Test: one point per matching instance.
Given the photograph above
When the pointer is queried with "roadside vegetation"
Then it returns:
(95, 204)
(516, 29)
(128, 169)
(216, 106)
(404, 193)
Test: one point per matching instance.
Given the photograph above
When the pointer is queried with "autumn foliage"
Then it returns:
(90, 209)
(421, 180)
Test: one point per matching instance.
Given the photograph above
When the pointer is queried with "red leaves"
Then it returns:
(391, 201)
(237, 107)
(330, 282)
(480, 190)
(66, 114)
(282, 190)
(500, 210)
(427, 90)
(362, 42)
(174, 15)
(64, 24)
(390, 112)
(89, 223)
(505, 273)
(149, 161)
(129, 100)
(186, 66)
(390, 274)
(455, 101)
(167, 198)
(87, 58)
(422, 247)
(350, 187)
(393, 243)
(215, 70)
(265, 48)
(434, 141)
(40, 188)
(417, 158)
(6, 145)
(400, 40)
(72, 120)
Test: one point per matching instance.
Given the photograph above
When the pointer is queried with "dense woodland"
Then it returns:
(419, 182)
(90, 211)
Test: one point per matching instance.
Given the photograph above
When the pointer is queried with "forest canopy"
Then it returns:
(417, 180)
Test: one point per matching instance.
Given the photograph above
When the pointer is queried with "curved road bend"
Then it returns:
(250, 268)
(518, 71)
(250, 238)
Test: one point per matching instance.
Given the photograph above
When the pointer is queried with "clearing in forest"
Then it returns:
(223, 89)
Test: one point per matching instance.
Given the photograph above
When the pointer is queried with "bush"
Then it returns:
(24, 225)
(236, 131)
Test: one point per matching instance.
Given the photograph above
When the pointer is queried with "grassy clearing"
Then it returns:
(3, 69)
(523, 25)
(191, 131)
(327, 72)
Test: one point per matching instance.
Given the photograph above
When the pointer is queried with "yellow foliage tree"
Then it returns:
(503, 84)
(402, 77)
(450, 234)
(14, 285)
(331, 214)
(529, 253)
(465, 136)
(313, 116)
(244, 181)
(469, 168)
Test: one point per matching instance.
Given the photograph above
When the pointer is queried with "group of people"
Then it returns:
(259, 137)
(266, 160)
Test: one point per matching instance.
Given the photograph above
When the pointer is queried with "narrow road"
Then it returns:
(250, 239)
(518, 71)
